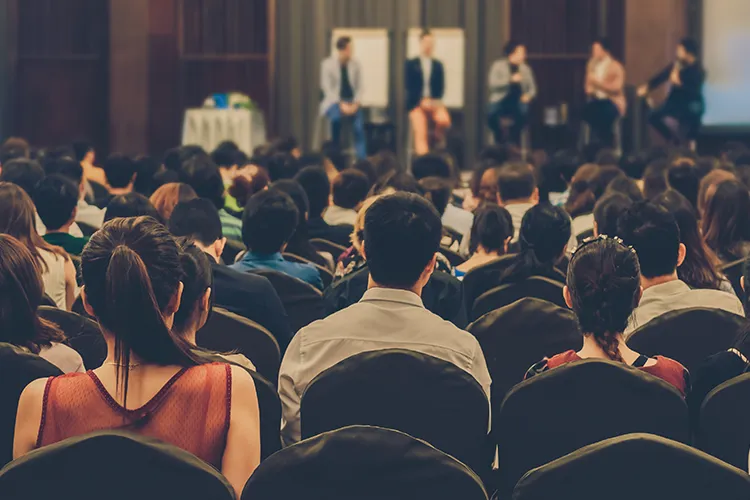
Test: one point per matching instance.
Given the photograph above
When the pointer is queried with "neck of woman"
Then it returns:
(591, 349)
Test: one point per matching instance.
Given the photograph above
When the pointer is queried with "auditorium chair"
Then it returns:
(325, 275)
(421, 395)
(537, 287)
(734, 271)
(231, 250)
(363, 462)
(328, 246)
(687, 335)
(577, 404)
(115, 465)
(83, 334)
(641, 466)
(303, 302)
(453, 257)
(228, 332)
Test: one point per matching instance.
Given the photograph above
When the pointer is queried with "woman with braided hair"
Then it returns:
(603, 288)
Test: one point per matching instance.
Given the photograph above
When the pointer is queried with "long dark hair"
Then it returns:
(492, 226)
(545, 230)
(131, 271)
(700, 268)
(726, 223)
(21, 292)
(604, 278)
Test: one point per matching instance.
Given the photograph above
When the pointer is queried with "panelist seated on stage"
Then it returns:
(604, 85)
(512, 88)
(341, 83)
(425, 87)
(685, 100)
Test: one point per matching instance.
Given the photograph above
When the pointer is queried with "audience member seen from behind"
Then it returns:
(517, 192)
(17, 220)
(603, 287)
(314, 181)
(268, 223)
(87, 214)
(120, 173)
(490, 236)
(655, 235)
(130, 205)
(726, 221)
(169, 195)
(581, 198)
(701, 266)
(483, 185)
(56, 200)
(606, 212)
(21, 292)
(85, 154)
(131, 270)
(250, 179)
(401, 238)
(684, 177)
(708, 186)
(350, 188)
(436, 165)
(246, 294)
(353, 259)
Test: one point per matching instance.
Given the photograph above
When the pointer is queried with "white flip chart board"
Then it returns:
(372, 50)
(450, 49)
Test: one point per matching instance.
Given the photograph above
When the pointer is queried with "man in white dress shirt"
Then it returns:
(401, 237)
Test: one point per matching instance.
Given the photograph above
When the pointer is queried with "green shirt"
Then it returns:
(71, 244)
(231, 226)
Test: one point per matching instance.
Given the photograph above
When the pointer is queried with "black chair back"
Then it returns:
(365, 463)
(723, 429)
(421, 395)
(734, 271)
(325, 275)
(537, 287)
(113, 465)
(47, 300)
(585, 234)
(231, 250)
(228, 332)
(574, 405)
(687, 335)
(453, 257)
(328, 246)
(303, 302)
(516, 336)
(84, 334)
(640, 466)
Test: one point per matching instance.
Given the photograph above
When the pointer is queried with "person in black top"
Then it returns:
(316, 184)
(245, 294)
(685, 101)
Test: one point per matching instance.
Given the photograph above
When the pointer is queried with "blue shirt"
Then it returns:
(275, 262)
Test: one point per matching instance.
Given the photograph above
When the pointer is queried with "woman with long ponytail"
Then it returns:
(151, 382)
(603, 288)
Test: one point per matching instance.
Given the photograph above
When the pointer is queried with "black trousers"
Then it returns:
(510, 107)
(601, 115)
(688, 116)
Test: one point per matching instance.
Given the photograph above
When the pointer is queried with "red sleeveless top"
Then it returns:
(191, 411)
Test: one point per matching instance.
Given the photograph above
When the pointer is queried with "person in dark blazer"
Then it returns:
(246, 294)
(425, 87)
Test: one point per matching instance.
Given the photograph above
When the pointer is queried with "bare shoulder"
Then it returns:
(241, 380)
(34, 392)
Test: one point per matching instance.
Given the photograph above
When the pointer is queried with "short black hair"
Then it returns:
(511, 47)
(398, 181)
(202, 174)
(431, 165)
(492, 226)
(130, 205)
(198, 220)
(350, 188)
(24, 173)
(438, 191)
(316, 184)
(366, 167)
(425, 32)
(402, 234)
(81, 149)
(683, 176)
(627, 186)
(67, 167)
(605, 42)
(55, 198)
(515, 181)
(296, 193)
(602, 179)
(654, 234)
(691, 46)
(226, 155)
(149, 175)
(269, 221)
(607, 211)
(343, 42)
(119, 170)
(281, 166)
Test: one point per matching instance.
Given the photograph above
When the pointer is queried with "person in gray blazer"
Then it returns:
(341, 83)
(512, 88)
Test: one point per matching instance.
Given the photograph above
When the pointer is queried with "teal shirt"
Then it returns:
(71, 244)
(275, 262)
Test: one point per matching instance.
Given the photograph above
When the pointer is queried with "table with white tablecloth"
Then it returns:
(207, 128)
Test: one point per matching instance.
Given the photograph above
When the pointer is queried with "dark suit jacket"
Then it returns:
(254, 298)
(690, 93)
(318, 228)
(415, 82)
(442, 295)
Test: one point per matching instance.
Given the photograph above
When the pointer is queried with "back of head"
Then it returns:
(627, 186)
(402, 234)
(511, 47)
(298, 195)
(726, 222)
(431, 165)
(197, 220)
(282, 166)
(120, 170)
(169, 195)
(691, 46)
(65, 166)
(17, 214)
(603, 177)
(130, 205)
(634, 165)
(316, 184)
(202, 174)
(197, 278)
(581, 199)
(244, 186)
(708, 184)
(350, 188)
(14, 148)
(385, 163)
(55, 198)
(654, 234)
(81, 149)
(269, 221)
(492, 228)
(604, 286)
(438, 191)
(608, 210)
(397, 182)
(226, 155)
(655, 179)
(131, 273)
(149, 175)
(683, 176)
(24, 173)
(366, 167)
(515, 182)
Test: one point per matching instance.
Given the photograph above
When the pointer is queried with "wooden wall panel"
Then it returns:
(164, 100)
